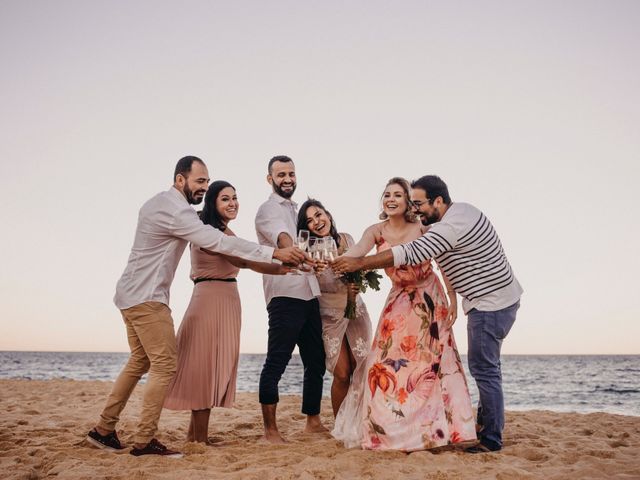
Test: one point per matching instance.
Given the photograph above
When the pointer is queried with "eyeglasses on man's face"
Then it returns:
(418, 203)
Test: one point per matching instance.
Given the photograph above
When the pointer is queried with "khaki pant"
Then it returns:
(153, 348)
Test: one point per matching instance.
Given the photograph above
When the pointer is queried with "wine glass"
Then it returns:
(325, 246)
(315, 248)
(331, 249)
(303, 240)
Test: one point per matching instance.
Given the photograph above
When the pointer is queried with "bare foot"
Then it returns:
(316, 429)
(314, 425)
(273, 436)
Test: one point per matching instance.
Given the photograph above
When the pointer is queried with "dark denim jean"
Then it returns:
(486, 331)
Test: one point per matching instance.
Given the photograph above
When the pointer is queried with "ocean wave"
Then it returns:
(581, 384)
(621, 391)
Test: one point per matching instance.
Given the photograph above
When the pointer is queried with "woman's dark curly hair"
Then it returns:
(209, 214)
(302, 218)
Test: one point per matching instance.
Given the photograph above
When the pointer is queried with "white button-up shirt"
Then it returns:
(166, 223)
(275, 216)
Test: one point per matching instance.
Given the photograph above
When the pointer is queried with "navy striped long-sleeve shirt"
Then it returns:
(469, 252)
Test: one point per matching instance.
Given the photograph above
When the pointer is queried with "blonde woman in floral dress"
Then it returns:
(346, 342)
(415, 393)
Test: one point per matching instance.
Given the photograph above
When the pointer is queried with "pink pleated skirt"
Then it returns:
(208, 343)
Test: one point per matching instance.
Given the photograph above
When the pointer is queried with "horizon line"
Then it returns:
(264, 353)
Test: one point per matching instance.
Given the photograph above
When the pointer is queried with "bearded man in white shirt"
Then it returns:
(166, 224)
(292, 305)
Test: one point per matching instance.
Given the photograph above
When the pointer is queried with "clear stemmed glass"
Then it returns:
(303, 240)
(331, 252)
(315, 248)
(331, 249)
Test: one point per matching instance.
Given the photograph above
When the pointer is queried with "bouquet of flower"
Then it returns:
(364, 280)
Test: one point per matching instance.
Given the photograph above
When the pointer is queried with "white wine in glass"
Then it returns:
(315, 249)
(303, 240)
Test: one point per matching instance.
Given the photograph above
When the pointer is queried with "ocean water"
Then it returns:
(562, 383)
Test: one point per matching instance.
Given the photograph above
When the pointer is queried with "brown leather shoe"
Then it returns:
(154, 447)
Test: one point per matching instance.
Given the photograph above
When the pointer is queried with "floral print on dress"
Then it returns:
(361, 348)
(331, 345)
(416, 395)
(335, 327)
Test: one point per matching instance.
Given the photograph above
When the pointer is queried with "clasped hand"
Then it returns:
(294, 257)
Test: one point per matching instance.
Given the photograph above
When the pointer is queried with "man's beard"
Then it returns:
(283, 194)
(429, 219)
(191, 198)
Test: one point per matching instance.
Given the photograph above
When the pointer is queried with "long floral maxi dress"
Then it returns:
(335, 326)
(415, 396)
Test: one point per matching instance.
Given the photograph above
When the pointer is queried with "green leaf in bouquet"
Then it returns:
(373, 279)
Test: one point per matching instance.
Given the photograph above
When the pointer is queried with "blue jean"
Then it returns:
(486, 331)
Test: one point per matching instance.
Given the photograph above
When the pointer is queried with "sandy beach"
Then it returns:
(43, 425)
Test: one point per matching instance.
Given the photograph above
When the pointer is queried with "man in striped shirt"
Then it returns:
(467, 249)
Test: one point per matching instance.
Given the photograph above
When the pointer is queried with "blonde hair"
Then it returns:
(408, 213)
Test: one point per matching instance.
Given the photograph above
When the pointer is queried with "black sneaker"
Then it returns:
(154, 447)
(482, 447)
(109, 442)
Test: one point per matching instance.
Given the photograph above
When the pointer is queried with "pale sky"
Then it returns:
(528, 110)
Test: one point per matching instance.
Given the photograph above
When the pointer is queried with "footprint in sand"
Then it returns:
(535, 456)
(618, 444)
(601, 453)
(244, 426)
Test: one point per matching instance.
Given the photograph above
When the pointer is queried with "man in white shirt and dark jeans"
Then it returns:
(166, 224)
(292, 305)
(467, 248)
